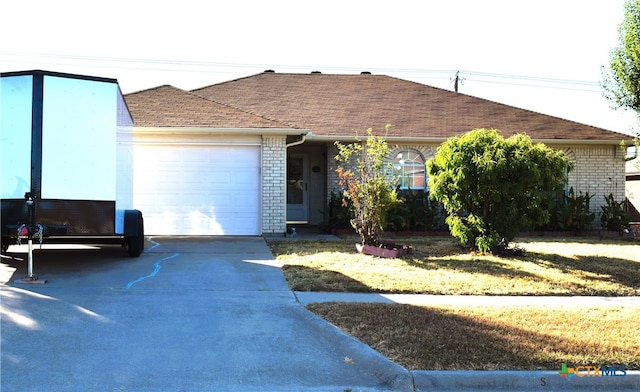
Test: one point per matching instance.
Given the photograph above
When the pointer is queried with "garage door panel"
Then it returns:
(198, 190)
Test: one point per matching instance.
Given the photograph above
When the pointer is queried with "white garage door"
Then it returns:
(198, 190)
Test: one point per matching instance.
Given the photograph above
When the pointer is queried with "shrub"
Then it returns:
(338, 212)
(614, 215)
(492, 187)
(575, 213)
(415, 213)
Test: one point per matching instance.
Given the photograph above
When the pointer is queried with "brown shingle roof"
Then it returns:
(168, 106)
(343, 105)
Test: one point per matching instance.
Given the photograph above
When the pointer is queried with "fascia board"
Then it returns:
(341, 138)
(211, 131)
(311, 137)
(392, 139)
(583, 141)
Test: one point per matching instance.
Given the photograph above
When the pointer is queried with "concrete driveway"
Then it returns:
(190, 314)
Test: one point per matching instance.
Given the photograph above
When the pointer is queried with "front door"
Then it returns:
(297, 189)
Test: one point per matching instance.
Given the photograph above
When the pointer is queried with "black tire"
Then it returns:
(135, 244)
(6, 241)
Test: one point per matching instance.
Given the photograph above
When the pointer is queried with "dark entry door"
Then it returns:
(297, 189)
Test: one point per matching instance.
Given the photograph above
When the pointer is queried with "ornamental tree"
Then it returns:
(492, 188)
(364, 177)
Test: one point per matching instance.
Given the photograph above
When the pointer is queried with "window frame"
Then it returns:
(398, 166)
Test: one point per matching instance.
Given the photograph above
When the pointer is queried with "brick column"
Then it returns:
(274, 207)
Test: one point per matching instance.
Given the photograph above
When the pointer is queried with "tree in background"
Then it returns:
(621, 83)
(492, 187)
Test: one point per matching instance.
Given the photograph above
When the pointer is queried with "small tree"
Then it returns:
(367, 186)
(491, 187)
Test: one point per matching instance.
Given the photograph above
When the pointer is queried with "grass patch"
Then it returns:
(491, 338)
(480, 338)
(572, 266)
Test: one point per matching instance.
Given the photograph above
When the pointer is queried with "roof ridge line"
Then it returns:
(153, 88)
(226, 81)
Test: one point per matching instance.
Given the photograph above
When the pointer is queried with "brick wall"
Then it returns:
(599, 170)
(332, 177)
(273, 185)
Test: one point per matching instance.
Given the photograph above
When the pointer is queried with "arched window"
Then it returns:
(409, 170)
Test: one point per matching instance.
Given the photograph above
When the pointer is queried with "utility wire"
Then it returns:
(147, 64)
(532, 78)
(184, 65)
(594, 90)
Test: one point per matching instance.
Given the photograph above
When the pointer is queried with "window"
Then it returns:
(409, 170)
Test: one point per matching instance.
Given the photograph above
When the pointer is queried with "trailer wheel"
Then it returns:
(5, 244)
(134, 232)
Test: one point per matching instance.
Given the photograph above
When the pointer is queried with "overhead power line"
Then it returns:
(533, 78)
(170, 65)
(559, 87)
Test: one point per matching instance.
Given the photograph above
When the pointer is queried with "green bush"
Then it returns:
(575, 214)
(614, 215)
(338, 213)
(554, 204)
(415, 213)
(492, 187)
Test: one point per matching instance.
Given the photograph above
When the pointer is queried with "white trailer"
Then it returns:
(66, 161)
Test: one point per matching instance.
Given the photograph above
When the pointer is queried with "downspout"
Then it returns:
(297, 142)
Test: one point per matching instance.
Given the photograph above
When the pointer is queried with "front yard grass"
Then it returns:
(571, 266)
(491, 338)
(479, 338)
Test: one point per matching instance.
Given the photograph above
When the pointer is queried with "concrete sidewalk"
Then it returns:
(306, 298)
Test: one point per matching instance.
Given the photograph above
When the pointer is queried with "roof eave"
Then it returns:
(213, 131)
(401, 139)
(582, 141)
(392, 139)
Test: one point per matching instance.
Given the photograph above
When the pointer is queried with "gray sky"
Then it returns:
(543, 56)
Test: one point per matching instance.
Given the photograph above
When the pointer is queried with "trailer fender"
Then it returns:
(134, 232)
